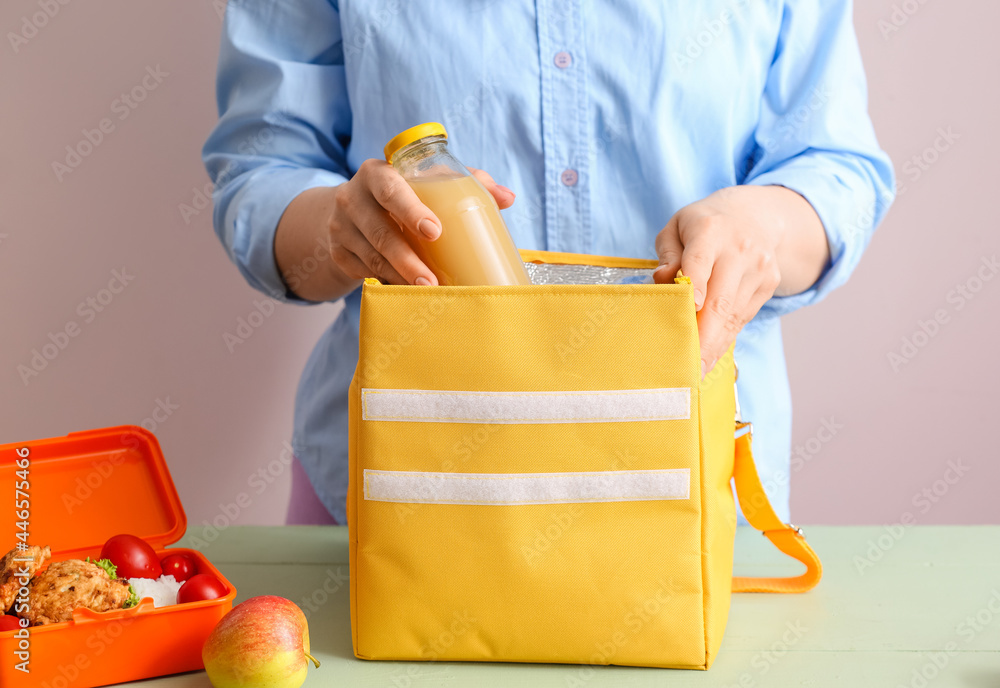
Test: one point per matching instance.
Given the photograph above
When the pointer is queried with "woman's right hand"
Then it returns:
(370, 214)
(362, 221)
(368, 217)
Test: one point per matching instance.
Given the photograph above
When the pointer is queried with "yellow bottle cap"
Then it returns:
(412, 134)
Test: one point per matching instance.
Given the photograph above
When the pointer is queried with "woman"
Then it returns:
(730, 138)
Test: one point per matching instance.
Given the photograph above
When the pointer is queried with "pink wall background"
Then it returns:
(223, 416)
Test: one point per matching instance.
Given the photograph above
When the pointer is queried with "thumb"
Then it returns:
(668, 251)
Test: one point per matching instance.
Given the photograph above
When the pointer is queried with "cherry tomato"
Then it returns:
(203, 586)
(180, 566)
(133, 557)
(9, 622)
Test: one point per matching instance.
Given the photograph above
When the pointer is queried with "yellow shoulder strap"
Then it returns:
(758, 512)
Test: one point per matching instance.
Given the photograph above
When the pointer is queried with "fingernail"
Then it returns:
(505, 190)
(422, 281)
(704, 368)
(699, 299)
(428, 229)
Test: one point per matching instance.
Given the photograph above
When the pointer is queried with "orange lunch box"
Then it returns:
(82, 489)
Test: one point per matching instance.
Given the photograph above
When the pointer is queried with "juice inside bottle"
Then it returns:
(474, 247)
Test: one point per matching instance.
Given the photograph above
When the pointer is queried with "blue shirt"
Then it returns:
(605, 117)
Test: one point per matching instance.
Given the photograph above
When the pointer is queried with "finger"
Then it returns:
(383, 235)
(669, 250)
(761, 295)
(375, 263)
(349, 263)
(698, 258)
(752, 295)
(501, 194)
(726, 310)
(756, 289)
(391, 191)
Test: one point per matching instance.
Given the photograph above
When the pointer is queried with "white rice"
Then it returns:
(163, 590)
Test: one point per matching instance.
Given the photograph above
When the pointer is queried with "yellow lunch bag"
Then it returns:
(540, 474)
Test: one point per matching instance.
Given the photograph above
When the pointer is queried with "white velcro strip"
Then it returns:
(526, 488)
(615, 406)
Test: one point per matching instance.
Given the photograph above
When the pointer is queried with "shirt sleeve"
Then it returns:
(284, 125)
(815, 137)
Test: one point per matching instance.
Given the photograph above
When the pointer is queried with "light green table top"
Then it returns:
(929, 602)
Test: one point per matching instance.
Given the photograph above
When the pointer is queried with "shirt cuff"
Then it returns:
(251, 221)
(846, 207)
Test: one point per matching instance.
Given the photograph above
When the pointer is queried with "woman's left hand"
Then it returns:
(740, 246)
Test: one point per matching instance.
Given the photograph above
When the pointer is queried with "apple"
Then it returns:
(263, 642)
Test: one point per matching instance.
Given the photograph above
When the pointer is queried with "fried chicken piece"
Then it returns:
(9, 585)
(67, 585)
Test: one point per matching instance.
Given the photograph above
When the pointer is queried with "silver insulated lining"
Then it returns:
(547, 273)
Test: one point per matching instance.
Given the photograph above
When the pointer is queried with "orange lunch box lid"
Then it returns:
(87, 486)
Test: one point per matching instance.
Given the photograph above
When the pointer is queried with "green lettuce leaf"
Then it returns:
(112, 571)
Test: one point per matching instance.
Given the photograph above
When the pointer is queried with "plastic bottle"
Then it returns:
(474, 247)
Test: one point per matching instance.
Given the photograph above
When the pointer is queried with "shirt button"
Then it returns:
(563, 60)
(569, 177)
